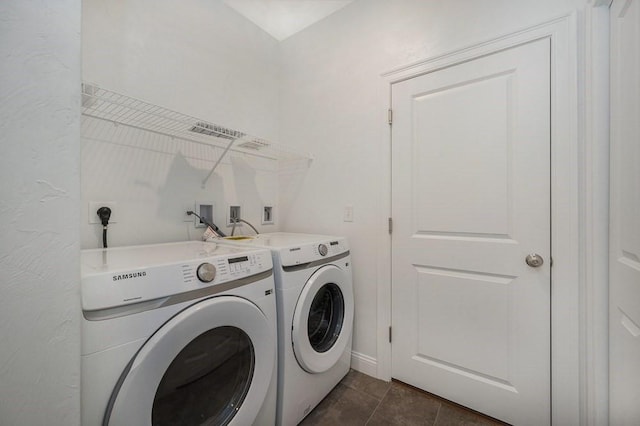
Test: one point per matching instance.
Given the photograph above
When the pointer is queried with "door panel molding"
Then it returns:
(565, 201)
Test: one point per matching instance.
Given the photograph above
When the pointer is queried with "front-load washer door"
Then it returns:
(323, 319)
(209, 365)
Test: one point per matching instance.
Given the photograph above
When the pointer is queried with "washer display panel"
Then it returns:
(209, 365)
(323, 319)
(208, 379)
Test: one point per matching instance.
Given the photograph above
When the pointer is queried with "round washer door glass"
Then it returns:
(208, 381)
(322, 320)
(211, 364)
(326, 316)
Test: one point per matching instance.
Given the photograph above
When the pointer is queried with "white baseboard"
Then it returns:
(364, 364)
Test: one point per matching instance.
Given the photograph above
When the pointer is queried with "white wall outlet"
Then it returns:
(204, 209)
(268, 215)
(234, 211)
(93, 211)
(348, 213)
(185, 208)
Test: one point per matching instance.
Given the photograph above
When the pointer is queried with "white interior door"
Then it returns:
(624, 283)
(471, 199)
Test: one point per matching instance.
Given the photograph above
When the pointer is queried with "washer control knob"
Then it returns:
(206, 272)
(323, 250)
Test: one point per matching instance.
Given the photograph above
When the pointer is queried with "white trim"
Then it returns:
(599, 3)
(595, 181)
(436, 63)
(567, 273)
(383, 348)
(364, 364)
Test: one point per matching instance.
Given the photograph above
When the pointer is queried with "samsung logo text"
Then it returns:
(128, 276)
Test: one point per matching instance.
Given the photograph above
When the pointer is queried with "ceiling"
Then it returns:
(283, 18)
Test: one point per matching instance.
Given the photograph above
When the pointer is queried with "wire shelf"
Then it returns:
(121, 109)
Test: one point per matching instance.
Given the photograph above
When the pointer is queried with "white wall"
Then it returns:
(39, 198)
(334, 106)
(198, 57)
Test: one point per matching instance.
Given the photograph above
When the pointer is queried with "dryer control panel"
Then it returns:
(123, 276)
(310, 252)
(291, 249)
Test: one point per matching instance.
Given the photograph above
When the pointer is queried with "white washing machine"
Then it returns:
(315, 316)
(180, 333)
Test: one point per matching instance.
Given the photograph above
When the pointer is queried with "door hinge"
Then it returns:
(390, 116)
(390, 225)
(389, 334)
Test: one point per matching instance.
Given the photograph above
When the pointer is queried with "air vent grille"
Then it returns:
(255, 144)
(217, 131)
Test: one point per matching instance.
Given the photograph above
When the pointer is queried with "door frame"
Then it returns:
(573, 287)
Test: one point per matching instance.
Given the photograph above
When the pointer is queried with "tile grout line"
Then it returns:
(378, 405)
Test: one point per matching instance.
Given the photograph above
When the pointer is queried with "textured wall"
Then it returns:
(39, 198)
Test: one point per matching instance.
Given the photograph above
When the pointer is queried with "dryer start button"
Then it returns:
(206, 272)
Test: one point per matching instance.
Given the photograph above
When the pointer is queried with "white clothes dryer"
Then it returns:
(179, 333)
(314, 295)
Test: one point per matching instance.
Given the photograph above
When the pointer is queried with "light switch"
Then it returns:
(348, 214)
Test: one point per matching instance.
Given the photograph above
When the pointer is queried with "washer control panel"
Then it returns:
(240, 266)
(206, 272)
(225, 269)
(120, 277)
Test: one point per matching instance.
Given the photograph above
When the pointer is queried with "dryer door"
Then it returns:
(210, 364)
(323, 319)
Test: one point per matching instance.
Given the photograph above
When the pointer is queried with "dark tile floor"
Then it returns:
(362, 400)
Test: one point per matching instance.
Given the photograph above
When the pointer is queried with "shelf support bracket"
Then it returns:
(206, 179)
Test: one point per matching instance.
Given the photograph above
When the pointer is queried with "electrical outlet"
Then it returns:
(186, 207)
(267, 215)
(348, 214)
(93, 211)
(234, 211)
